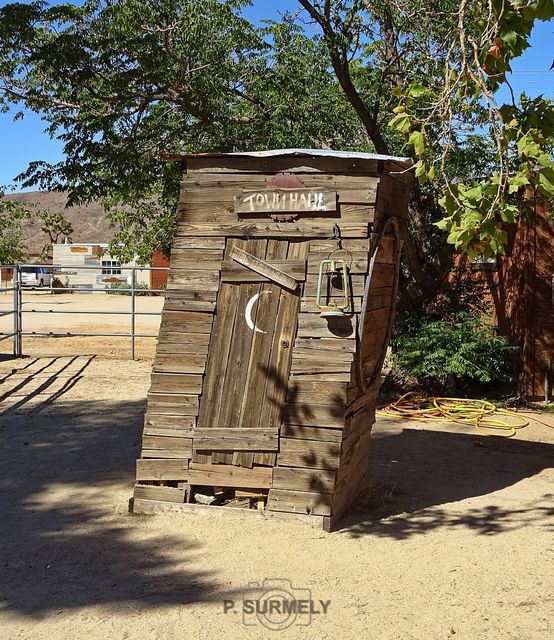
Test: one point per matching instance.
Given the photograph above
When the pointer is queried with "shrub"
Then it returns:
(124, 289)
(461, 346)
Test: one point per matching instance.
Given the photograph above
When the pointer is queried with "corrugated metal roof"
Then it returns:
(275, 153)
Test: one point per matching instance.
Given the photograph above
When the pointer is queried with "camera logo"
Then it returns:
(276, 604)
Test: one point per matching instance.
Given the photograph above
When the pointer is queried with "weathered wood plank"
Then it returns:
(273, 230)
(338, 180)
(327, 245)
(321, 434)
(199, 242)
(241, 358)
(327, 415)
(191, 303)
(325, 344)
(179, 363)
(224, 213)
(167, 442)
(357, 261)
(162, 470)
(224, 475)
(313, 361)
(319, 393)
(308, 454)
(321, 377)
(151, 492)
(172, 404)
(316, 480)
(309, 305)
(299, 502)
(281, 352)
(310, 325)
(186, 321)
(352, 476)
(278, 274)
(164, 429)
(206, 259)
(236, 439)
(383, 275)
(176, 383)
(233, 396)
(237, 273)
(376, 319)
(185, 346)
(262, 200)
(196, 280)
(218, 356)
(260, 379)
(356, 212)
(196, 342)
(386, 250)
(166, 454)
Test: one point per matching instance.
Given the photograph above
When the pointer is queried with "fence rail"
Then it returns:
(18, 311)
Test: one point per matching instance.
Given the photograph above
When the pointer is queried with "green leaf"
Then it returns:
(401, 122)
(417, 140)
(545, 182)
(417, 90)
(509, 37)
(545, 10)
(444, 224)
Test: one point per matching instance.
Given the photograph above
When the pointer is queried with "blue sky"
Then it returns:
(24, 141)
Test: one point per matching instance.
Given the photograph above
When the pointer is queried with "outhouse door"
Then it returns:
(250, 346)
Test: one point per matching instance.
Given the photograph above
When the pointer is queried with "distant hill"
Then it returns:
(89, 221)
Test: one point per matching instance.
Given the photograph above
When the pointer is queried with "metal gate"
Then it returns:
(19, 310)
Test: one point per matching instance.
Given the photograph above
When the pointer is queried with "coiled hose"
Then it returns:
(482, 414)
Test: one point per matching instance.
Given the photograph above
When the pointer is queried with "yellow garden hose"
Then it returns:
(483, 415)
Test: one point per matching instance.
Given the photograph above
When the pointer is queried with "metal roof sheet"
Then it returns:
(330, 153)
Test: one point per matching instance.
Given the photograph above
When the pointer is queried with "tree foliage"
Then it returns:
(12, 245)
(124, 83)
(429, 71)
(55, 225)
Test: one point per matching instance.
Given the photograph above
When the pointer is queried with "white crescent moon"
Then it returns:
(248, 312)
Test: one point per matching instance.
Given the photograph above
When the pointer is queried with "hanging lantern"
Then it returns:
(333, 289)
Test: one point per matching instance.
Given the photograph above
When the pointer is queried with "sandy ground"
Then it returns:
(455, 537)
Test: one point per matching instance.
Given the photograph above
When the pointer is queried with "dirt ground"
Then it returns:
(454, 537)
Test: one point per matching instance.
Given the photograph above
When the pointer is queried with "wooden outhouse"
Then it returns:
(280, 297)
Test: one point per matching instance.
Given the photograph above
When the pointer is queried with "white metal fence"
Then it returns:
(19, 311)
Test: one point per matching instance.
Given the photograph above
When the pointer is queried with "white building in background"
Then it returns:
(67, 258)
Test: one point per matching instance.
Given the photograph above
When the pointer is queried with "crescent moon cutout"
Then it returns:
(248, 312)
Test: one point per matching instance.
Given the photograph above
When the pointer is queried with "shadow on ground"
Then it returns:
(63, 543)
(415, 471)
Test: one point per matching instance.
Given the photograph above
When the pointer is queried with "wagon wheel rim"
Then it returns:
(366, 382)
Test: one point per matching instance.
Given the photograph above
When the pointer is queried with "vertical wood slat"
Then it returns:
(276, 250)
(218, 357)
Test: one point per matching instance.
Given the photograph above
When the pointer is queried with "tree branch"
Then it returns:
(339, 60)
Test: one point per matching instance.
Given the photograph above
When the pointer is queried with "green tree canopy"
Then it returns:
(124, 82)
